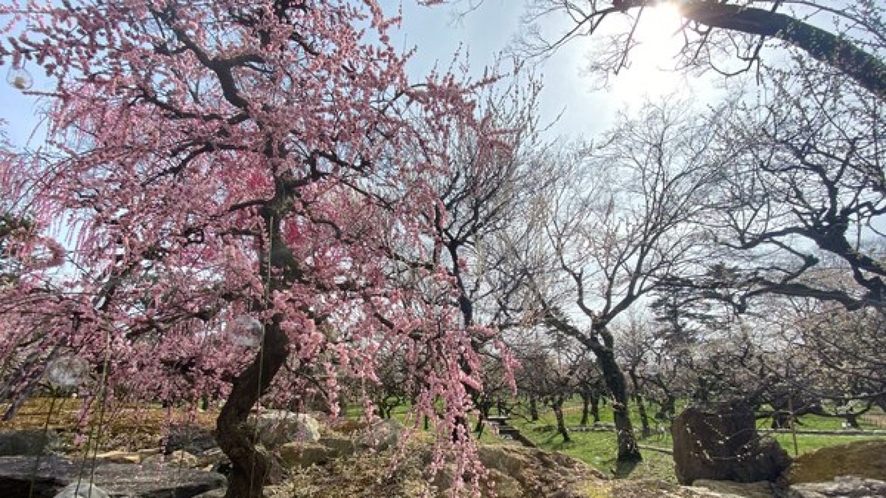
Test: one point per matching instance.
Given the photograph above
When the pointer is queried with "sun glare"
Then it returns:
(659, 23)
(657, 42)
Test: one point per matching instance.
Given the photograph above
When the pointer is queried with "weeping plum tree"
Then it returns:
(233, 168)
(486, 192)
(27, 258)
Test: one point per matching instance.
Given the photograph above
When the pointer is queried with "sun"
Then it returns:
(656, 43)
(659, 23)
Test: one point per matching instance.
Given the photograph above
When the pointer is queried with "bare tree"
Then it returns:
(551, 373)
(844, 354)
(618, 225)
(804, 191)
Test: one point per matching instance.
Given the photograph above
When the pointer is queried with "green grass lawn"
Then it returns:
(599, 448)
(810, 442)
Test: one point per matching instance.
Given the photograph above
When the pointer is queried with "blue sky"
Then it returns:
(569, 92)
(18, 110)
(438, 32)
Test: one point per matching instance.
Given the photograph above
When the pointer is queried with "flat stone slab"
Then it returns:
(27, 442)
(49, 474)
(841, 487)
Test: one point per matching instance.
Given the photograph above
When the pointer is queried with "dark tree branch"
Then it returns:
(829, 48)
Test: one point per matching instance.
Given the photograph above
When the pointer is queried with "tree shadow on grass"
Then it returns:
(623, 470)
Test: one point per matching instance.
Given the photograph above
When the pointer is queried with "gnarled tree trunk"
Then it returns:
(615, 382)
(557, 405)
(249, 467)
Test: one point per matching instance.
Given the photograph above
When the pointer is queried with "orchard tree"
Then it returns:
(684, 311)
(749, 357)
(804, 191)
(841, 353)
(590, 388)
(619, 224)
(533, 358)
(635, 343)
(233, 177)
(484, 193)
(549, 373)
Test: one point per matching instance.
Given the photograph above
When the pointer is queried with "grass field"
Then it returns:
(599, 448)
(137, 426)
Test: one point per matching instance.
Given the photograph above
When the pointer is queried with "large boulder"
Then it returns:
(49, 474)
(842, 487)
(277, 427)
(188, 437)
(535, 472)
(720, 442)
(380, 435)
(860, 458)
(28, 442)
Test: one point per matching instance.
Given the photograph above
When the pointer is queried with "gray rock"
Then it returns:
(535, 472)
(720, 442)
(340, 446)
(177, 459)
(380, 435)
(215, 493)
(82, 490)
(762, 489)
(277, 427)
(655, 488)
(841, 487)
(305, 454)
(28, 442)
(188, 437)
(51, 473)
(213, 459)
